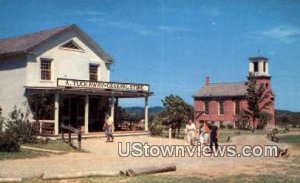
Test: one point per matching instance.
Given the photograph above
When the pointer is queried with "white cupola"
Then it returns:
(259, 66)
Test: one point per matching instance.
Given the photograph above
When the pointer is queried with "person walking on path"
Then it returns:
(205, 134)
(214, 135)
(109, 128)
(190, 131)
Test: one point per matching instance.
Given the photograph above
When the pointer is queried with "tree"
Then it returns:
(284, 119)
(258, 99)
(1, 121)
(263, 119)
(177, 113)
(242, 120)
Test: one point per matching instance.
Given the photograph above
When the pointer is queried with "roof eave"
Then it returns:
(23, 52)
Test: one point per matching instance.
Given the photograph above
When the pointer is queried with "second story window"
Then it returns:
(221, 107)
(94, 72)
(236, 107)
(45, 69)
(206, 107)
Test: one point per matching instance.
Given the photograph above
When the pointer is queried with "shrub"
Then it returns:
(8, 142)
(1, 121)
(222, 126)
(18, 126)
(17, 130)
(229, 126)
(156, 128)
(275, 131)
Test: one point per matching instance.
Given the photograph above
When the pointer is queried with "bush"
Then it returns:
(156, 128)
(275, 131)
(1, 121)
(229, 126)
(18, 130)
(8, 142)
(222, 126)
(18, 125)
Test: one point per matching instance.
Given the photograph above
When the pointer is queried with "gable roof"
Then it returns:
(222, 90)
(26, 43)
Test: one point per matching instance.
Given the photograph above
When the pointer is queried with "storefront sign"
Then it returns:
(72, 83)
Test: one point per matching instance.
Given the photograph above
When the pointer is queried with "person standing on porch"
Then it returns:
(109, 128)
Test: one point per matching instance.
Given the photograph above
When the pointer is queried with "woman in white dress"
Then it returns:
(190, 131)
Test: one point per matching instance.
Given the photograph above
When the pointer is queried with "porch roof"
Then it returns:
(86, 91)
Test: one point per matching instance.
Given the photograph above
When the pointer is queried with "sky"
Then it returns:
(174, 44)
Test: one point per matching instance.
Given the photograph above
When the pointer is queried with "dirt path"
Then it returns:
(104, 156)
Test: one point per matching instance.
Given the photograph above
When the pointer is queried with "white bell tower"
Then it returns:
(259, 66)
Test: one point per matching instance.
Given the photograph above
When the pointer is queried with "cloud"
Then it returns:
(87, 13)
(171, 28)
(100, 19)
(285, 34)
(137, 28)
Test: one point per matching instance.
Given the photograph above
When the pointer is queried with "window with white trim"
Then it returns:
(94, 72)
(237, 107)
(46, 69)
(206, 107)
(221, 107)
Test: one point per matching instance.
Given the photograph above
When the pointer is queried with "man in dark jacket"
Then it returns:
(214, 135)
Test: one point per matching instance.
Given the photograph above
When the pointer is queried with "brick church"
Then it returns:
(224, 102)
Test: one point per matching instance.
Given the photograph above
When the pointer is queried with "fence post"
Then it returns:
(170, 133)
(79, 140)
(62, 134)
(69, 131)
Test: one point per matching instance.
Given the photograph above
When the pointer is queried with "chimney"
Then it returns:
(207, 80)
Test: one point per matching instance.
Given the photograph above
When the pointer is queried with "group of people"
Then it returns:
(208, 133)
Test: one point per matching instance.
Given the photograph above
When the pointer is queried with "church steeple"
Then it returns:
(259, 66)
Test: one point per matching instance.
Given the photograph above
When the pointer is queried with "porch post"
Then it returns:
(112, 109)
(146, 113)
(56, 113)
(116, 111)
(86, 115)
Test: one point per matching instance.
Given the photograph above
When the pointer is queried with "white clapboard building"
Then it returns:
(62, 76)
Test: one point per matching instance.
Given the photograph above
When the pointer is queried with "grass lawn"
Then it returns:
(290, 139)
(57, 145)
(23, 153)
(182, 179)
(27, 153)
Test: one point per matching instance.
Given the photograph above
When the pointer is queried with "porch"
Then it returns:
(82, 108)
